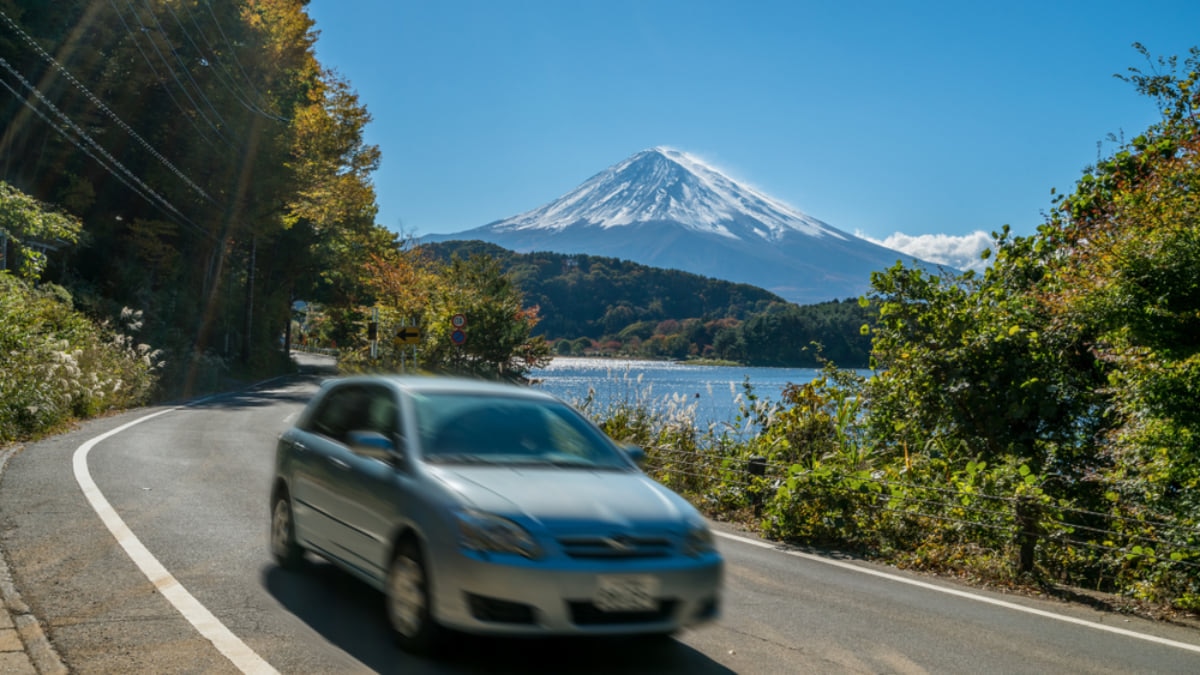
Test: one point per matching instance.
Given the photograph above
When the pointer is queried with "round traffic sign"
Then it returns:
(458, 320)
(458, 337)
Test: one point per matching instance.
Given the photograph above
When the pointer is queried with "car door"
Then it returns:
(323, 464)
(377, 490)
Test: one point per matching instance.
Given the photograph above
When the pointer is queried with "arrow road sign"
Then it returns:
(408, 336)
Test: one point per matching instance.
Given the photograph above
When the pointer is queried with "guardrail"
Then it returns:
(327, 351)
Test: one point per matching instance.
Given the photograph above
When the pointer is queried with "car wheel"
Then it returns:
(409, 601)
(284, 548)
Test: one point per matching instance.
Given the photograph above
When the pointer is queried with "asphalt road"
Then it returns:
(190, 485)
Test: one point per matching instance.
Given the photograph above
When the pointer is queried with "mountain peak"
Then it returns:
(666, 208)
(662, 184)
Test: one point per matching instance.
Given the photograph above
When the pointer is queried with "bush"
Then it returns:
(59, 365)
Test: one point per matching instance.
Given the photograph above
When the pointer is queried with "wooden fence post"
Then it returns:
(756, 466)
(1027, 533)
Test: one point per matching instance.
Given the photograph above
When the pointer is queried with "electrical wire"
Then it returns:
(175, 76)
(101, 106)
(228, 80)
(142, 190)
(154, 71)
(186, 71)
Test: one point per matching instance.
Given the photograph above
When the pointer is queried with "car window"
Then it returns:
(356, 408)
(509, 430)
(382, 412)
(341, 410)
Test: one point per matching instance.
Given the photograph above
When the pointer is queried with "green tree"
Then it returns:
(1126, 249)
(976, 363)
(29, 226)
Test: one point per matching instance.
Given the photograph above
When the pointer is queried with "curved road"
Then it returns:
(142, 548)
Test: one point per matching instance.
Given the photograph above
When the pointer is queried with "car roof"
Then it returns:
(442, 384)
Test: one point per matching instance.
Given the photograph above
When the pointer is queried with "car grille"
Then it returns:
(616, 546)
(587, 614)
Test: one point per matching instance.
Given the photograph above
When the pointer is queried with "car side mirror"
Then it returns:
(374, 445)
(635, 453)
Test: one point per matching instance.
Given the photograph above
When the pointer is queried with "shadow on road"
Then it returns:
(241, 400)
(351, 615)
(311, 369)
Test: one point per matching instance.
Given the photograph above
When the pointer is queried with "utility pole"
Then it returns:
(246, 342)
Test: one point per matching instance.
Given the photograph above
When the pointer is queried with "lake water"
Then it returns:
(713, 391)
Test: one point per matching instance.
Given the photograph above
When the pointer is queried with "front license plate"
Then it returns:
(626, 593)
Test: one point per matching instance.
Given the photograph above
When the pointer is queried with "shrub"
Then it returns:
(59, 365)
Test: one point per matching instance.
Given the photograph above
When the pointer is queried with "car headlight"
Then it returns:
(698, 540)
(486, 533)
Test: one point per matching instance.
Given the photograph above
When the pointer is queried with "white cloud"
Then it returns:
(961, 252)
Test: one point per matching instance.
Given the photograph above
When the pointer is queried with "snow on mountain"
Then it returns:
(666, 185)
(666, 208)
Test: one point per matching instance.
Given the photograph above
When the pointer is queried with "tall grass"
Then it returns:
(57, 365)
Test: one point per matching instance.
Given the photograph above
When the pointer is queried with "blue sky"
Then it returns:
(914, 123)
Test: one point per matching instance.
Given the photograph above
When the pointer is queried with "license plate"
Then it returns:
(626, 593)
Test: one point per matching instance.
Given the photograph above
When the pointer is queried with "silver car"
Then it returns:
(487, 508)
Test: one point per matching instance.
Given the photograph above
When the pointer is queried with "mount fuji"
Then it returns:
(666, 208)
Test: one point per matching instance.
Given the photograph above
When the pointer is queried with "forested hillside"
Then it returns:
(193, 164)
(220, 172)
(601, 305)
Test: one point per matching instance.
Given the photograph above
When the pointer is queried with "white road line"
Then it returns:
(244, 658)
(960, 593)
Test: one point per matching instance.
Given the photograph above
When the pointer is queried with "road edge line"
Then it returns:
(960, 593)
(231, 646)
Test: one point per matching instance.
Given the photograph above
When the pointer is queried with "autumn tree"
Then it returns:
(497, 342)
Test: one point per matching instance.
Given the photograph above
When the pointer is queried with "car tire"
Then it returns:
(287, 553)
(409, 601)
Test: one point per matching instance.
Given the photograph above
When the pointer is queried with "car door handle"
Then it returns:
(340, 463)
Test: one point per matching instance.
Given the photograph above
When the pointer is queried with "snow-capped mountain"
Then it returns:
(666, 208)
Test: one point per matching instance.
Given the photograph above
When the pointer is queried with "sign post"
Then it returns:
(459, 336)
(404, 338)
(373, 333)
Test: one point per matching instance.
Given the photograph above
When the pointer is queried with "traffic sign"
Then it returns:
(458, 337)
(458, 320)
(408, 336)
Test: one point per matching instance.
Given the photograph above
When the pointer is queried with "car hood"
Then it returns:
(564, 499)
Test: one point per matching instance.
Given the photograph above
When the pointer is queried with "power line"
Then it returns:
(133, 38)
(186, 71)
(103, 108)
(154, 198)
(232, 51)
(227, 79)
(167, 64)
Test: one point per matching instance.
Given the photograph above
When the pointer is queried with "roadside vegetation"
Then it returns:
(1035, 424)
(58, 365)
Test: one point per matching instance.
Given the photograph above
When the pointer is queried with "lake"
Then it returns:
(712, 391)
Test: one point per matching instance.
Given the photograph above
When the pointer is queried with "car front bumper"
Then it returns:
(510, 595)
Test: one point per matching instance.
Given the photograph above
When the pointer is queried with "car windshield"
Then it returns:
(457, 428)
